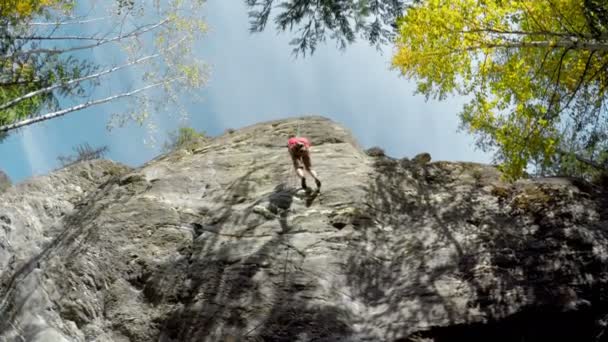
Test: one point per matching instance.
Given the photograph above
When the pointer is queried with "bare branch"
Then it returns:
(81, 106)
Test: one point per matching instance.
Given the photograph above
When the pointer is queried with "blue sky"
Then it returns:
(254, 77)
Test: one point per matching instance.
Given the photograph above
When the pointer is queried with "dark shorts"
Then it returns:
(300, 159)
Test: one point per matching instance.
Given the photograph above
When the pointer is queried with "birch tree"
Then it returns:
(48, 66)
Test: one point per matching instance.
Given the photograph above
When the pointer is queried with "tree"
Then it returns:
(184, 137)
(25, 73)
(83, 152)
(47, 71)
(536, 73)
(341, 20)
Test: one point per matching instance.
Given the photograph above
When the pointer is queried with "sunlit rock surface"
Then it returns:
(216, 243)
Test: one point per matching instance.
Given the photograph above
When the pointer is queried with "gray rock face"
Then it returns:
(216, 243)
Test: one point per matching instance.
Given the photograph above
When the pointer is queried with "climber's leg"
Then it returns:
(308, 166)
(299, 167)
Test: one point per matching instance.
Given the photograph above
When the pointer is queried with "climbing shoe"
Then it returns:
(304, 183)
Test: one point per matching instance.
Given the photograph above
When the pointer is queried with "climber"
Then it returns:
(299, 150)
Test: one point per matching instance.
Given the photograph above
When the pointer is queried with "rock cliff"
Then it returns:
(215, 243)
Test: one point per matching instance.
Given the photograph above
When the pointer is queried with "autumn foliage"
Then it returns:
(534, 71)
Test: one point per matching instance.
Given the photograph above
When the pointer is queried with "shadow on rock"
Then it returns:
(244, 287)
(436, 243)
(73, 227)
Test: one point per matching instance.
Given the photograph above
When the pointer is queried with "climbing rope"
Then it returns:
(298, 129)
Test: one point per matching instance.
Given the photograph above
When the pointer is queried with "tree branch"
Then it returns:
(580, 82)
(13, 83)
(542, 63)
(559, 72)
(539, 44)
(529, 13)
(526, 33)
(81, 106)
(559, 16)
(59, 23)
(134, 33)
(591, 46)
(74, 81)
(51, 38)
(84, 78)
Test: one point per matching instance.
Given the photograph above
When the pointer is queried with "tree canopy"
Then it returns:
(535, 71)
(83, 152)
(183, 137)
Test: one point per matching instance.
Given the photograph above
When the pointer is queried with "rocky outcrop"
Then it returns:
(215, 243)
